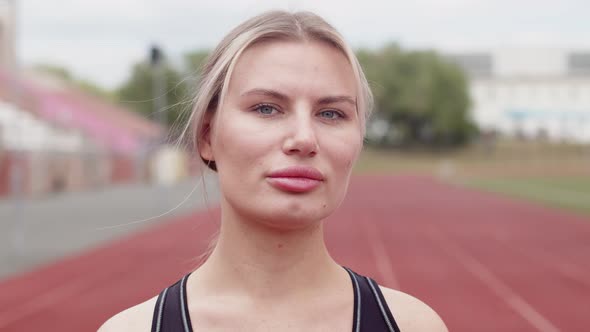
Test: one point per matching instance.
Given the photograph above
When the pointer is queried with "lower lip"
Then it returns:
(297, 185)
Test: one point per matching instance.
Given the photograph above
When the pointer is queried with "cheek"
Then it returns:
(345, 153)
(239, 147)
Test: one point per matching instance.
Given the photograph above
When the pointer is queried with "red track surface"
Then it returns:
(482, 261)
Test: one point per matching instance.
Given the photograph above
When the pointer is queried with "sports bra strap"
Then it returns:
(371, 312)
(171, 311)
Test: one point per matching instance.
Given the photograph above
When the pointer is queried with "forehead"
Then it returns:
(307, 68)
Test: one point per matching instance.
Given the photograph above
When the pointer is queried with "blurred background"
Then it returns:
(492, 96)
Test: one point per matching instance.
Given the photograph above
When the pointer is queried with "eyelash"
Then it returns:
(260, 106)
(341, 116)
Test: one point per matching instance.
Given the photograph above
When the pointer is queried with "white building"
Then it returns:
(530, 92)
(21, 131)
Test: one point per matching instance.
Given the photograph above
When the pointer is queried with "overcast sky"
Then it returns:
(100, 40)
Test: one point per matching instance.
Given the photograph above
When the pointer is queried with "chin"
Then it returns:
(283, 213)
(290, 222)
(292, 218)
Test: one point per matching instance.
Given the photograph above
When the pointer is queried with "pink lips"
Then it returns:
(297, 179)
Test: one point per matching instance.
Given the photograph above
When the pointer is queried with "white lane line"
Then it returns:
(552, 262)
(382, 259)
(512, 299)
(45, 300)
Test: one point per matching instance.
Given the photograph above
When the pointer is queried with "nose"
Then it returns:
(302, 138)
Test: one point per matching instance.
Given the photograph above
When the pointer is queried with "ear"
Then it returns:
(204, 139)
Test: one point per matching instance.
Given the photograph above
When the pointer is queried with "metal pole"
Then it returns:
(160, 103)
(158, 85)
(159, 91)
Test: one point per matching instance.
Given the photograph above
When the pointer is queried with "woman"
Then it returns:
(280, 115)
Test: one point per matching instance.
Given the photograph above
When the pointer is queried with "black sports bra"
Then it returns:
(371, 313)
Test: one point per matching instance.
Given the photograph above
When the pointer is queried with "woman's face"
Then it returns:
(288, 104)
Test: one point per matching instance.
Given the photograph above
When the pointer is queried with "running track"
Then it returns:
(482, 261)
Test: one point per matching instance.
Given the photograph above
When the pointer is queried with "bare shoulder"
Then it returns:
(136, 318)
(411, 314)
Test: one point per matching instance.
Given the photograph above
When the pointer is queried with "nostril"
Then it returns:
(301, 145)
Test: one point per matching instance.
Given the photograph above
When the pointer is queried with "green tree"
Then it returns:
(137, 92)
(194, 61)
(55, 71)
(422, 96)
(66, 76)
(181, 83)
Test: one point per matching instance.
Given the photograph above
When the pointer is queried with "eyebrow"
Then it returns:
(277, 95)
(337, 99)
(266, 92)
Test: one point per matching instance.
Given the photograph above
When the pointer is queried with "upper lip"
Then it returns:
(297, 172)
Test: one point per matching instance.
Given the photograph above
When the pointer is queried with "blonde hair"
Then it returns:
(272, 25)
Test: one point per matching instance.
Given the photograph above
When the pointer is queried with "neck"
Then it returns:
(265, 262)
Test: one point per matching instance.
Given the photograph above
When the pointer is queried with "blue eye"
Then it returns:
(331, 114)
(265, 109)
